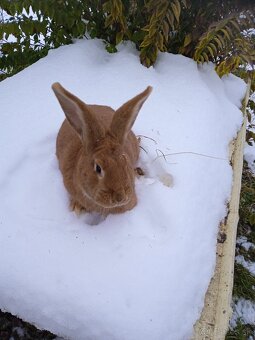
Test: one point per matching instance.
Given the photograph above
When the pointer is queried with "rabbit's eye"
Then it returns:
(98, 169)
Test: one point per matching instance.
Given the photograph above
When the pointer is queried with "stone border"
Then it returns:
(214, 320)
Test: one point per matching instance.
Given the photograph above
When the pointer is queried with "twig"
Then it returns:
(162, 154)
(147, 138)
(143, 149)
(188, 152)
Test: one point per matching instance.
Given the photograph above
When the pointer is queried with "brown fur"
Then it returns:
(97, 134)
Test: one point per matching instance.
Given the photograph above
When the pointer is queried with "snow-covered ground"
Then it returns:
(244, 243)
(249, 156)
(247, 264)
(244, 313)
(244, 310)
(138, 275)
(249, 150)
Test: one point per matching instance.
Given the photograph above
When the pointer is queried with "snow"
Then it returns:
(242, 240)
(249, 156)
(243, 310)
(249, 150)
(247, 264)
(138, 275)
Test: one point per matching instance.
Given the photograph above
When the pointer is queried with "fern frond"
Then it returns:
(115, 17)
(228, 65)
(164, 19)
(216, 39)
(242, 52)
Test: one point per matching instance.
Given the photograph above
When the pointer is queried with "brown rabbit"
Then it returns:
(97, 153)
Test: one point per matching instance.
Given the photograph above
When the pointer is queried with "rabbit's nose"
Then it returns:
(119, 197)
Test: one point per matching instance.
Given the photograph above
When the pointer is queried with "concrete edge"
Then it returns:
(214, 320)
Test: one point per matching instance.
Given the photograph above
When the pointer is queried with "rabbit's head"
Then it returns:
(104, 172)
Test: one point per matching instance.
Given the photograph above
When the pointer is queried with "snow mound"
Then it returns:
(138, 275)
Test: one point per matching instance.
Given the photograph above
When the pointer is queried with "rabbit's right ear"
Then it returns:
(125, 116)
(78, 115)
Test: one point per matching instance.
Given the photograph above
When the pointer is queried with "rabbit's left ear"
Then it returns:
(125, 116)
(79, 115)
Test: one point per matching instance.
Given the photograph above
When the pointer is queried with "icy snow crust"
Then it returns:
(139, 275)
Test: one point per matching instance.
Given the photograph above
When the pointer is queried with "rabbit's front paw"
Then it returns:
(76, 207)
